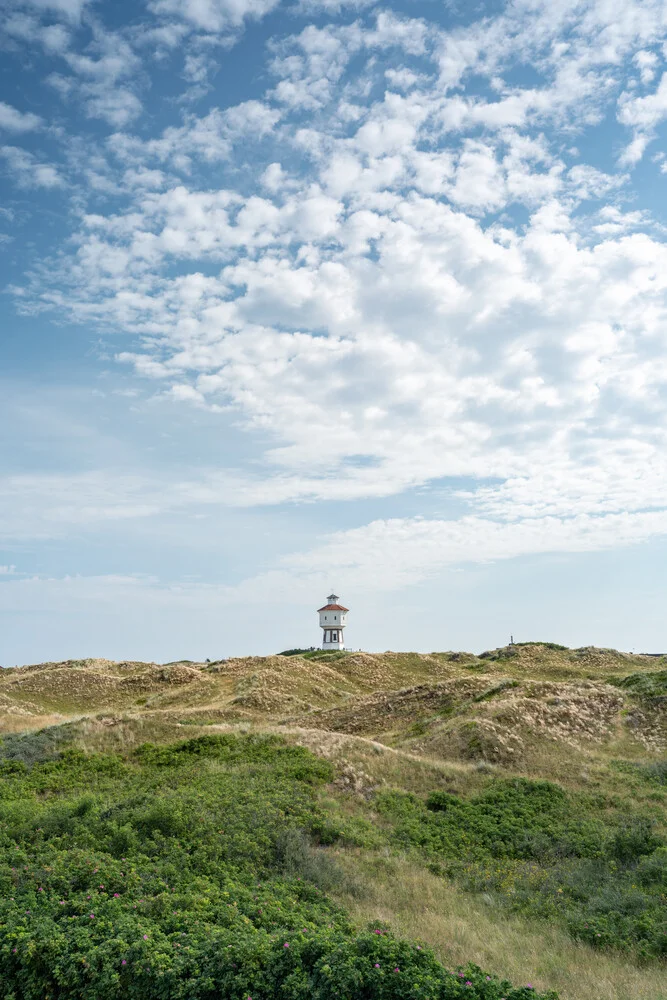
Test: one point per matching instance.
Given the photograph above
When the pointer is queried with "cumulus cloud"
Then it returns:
(395, 278)
(53, 38)
(101, 77)
(28, 171)
(213, 15)
(643, 115)
(17, 121)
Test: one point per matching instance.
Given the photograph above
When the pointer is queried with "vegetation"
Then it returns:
(298, 652)
(314, 653)
(653, 685)
(547, 853)
(173, 874)
(462, 927)
(505, 810)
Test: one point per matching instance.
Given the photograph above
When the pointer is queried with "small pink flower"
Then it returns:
(92, 916)
(62, 902)
(286, 945)
(377, 965)
(145, 937)
(116, 895)
(397, 969)
(468, 983)
(124, 962)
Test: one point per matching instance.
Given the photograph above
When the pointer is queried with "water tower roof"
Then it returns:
(333, 607)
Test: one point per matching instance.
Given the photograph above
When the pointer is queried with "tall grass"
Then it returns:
(460, 927)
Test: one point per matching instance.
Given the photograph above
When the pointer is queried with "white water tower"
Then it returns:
(333, 619)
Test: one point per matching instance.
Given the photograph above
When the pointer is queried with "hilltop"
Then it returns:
(503, 807)
(533, 708)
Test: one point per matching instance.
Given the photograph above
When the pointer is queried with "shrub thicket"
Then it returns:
(547, 853)
(186, 873)
(651, 686)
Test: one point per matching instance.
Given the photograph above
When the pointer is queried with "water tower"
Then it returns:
(333, 619)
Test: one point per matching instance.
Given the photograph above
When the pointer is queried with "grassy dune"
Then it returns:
(507, 809)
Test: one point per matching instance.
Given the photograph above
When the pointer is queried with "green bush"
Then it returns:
(633, 840)
(187, 872)
(645, 685)
(655, 772)
(33, 748)
(547, 853)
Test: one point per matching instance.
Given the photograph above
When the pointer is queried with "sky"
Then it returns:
(325, 295)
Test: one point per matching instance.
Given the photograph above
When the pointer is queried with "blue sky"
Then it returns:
(328, 294)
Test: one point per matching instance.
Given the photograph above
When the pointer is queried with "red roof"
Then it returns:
(333, 607)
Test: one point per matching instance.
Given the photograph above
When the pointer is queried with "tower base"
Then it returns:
(333, 639)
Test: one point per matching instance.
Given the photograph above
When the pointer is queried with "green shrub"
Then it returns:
(544, 852)
(645, 685)
(34, 748)
(654, 772)
(188, 872)
(633, 839)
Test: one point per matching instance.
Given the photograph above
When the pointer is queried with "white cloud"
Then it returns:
(54, 38)
(646, 63)
(643, 115)
(100, 76)
(390, 276)
(209, 138)
(589, 182)
(614, 221)
(213, 15)
(385, 555)
(28, 171)
(389, 555)
(331, 7)
(17, 121)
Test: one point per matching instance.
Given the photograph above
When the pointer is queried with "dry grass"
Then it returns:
(412, 721)
(461, 928)
(532, 710)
